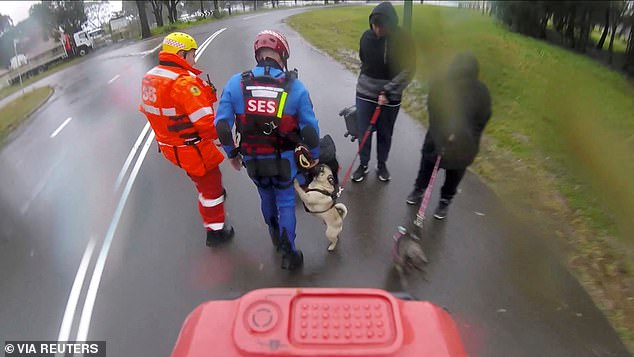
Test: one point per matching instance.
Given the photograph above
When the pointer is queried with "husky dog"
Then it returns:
(319, 199)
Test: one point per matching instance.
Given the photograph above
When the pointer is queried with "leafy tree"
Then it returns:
(98, 12)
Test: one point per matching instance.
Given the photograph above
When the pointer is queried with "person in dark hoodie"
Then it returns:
(388, 64)
(459, 108)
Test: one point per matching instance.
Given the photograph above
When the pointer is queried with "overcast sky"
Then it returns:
(19, 10)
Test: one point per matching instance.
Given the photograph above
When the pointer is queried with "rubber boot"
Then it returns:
(216, 238)
(292, 259)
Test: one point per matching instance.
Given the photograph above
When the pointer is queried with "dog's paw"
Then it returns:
(332, 246)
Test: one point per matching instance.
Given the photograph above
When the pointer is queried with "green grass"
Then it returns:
(5, 92)
(12, 114)
(559, 144)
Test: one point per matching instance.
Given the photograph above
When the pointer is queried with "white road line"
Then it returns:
(95, 280)
(252, 17)
(207, 42)
(113, 79)
(128, 161)
(54, 134)
(73, 298)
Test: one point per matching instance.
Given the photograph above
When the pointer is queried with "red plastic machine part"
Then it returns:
(318, 322)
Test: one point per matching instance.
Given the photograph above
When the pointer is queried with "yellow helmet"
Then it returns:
(177, 41)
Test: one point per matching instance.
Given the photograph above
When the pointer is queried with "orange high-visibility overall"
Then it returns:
(179, 107)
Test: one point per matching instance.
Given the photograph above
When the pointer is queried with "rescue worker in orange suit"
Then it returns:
(278, 130)
(179, 107)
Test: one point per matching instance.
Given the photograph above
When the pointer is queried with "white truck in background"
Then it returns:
(26, 66)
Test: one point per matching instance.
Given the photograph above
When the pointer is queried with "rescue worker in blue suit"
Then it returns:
(277, 130)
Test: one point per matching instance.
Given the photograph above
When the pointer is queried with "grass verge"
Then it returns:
(558, 148)
(16, 111)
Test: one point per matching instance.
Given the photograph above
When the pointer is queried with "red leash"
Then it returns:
(373, 120)
(420, 216)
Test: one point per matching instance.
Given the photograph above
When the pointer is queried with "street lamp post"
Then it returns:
(407, 16)
(17, 60)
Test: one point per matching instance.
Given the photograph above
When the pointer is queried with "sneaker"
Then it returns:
(415, 196)
(360, 173)
(293, 260)
(442, 209)
(216, 238)
(382, 172)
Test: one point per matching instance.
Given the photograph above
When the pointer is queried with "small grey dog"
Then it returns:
(408, 254)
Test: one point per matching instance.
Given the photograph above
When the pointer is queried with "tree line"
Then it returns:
(573, 22)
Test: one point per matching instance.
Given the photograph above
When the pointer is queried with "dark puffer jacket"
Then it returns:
(459, 108)
(387, 63)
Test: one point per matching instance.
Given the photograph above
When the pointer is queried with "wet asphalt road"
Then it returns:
(59, 201)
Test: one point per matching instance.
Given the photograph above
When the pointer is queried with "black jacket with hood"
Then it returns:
(388, 63)
(459, 108)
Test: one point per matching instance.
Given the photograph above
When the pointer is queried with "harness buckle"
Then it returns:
(269, 127)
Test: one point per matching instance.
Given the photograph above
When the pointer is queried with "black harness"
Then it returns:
(332, 195)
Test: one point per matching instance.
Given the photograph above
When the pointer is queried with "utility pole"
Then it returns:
(407, 16)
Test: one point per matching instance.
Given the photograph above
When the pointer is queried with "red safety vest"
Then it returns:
(264, 128)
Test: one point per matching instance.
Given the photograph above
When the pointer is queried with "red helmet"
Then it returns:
(273, 40)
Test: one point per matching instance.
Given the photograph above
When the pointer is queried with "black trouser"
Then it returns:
(452, 178)
(384, 129)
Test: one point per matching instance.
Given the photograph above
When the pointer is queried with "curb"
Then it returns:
(28, 115)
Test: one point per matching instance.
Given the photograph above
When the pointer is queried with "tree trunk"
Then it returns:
(157, 10)
(610, 47)
(243, 8)
(170, 14)
(585, 31)
(159, 17)
(202, 8)
(606, 27)
(174, 13)
(145, 27)
(629, 54)
(570, 27)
